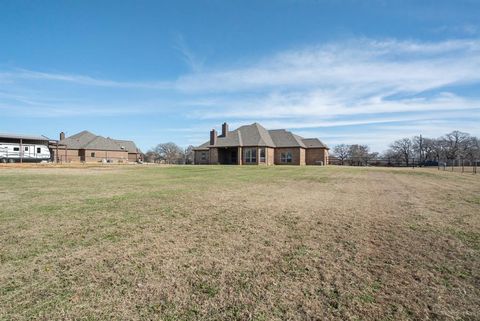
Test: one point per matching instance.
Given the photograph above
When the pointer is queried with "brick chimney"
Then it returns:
(213, 137)
(224, 129)
(62, 136)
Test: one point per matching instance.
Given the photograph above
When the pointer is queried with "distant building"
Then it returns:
(253, 144)
(88, 147)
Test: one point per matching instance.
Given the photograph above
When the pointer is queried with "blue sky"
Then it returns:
(155, 71)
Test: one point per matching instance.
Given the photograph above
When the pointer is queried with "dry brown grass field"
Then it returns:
(238, 243)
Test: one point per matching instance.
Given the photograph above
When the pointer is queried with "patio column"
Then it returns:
(239, 156)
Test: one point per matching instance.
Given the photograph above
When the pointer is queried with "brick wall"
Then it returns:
(213, 156)
(198, 157)
(68, 156)
(317, 156)
(115, 156)
(298, 156)
(133, 157)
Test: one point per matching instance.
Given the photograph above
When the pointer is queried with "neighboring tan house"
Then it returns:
(88, 147)
(253, 144)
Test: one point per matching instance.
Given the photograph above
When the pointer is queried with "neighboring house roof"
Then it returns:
(87, 140)
(256, 135)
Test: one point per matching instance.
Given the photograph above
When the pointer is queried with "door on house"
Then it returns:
(234, 156)
(228, 156)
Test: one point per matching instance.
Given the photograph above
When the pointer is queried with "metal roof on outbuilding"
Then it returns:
(25, 137)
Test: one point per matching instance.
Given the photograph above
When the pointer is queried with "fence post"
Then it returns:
(463, 167)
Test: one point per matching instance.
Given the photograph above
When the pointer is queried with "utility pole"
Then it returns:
(420, 146)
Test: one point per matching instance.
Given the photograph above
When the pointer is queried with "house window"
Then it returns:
(203, 156)
(262, 155)
(250, 155)
(26, 148)
(92, 154)
(286, 157)
(16, 149)
(39, 150)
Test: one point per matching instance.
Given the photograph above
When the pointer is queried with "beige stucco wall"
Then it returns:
(240, 156)
(302, 156)
(270, 153)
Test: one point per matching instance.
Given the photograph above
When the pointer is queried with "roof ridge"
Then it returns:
(92, 140)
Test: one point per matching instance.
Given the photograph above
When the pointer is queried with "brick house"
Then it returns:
(88, 147)
(253, 144)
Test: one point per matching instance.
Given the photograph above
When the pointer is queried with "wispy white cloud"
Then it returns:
(191, 59)
(18, 75)
(404, 66)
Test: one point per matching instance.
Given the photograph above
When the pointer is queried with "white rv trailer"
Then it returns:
(16, 148)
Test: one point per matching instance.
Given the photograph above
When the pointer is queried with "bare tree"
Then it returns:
(418, 146)
(358, 154)
(151, 157)
(455, 144)
(341, 152)
(472, 153)
(430, 150)
(189, 155)
(392, 158)
(170, 153)
(403, 147)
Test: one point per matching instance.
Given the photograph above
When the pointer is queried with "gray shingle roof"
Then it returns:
(78, 141)
(103, 143)
(284, 138)
(314, 143)
(128, 145)
(87, 140)
(234, 138)
(257, 135)
(204, 146)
